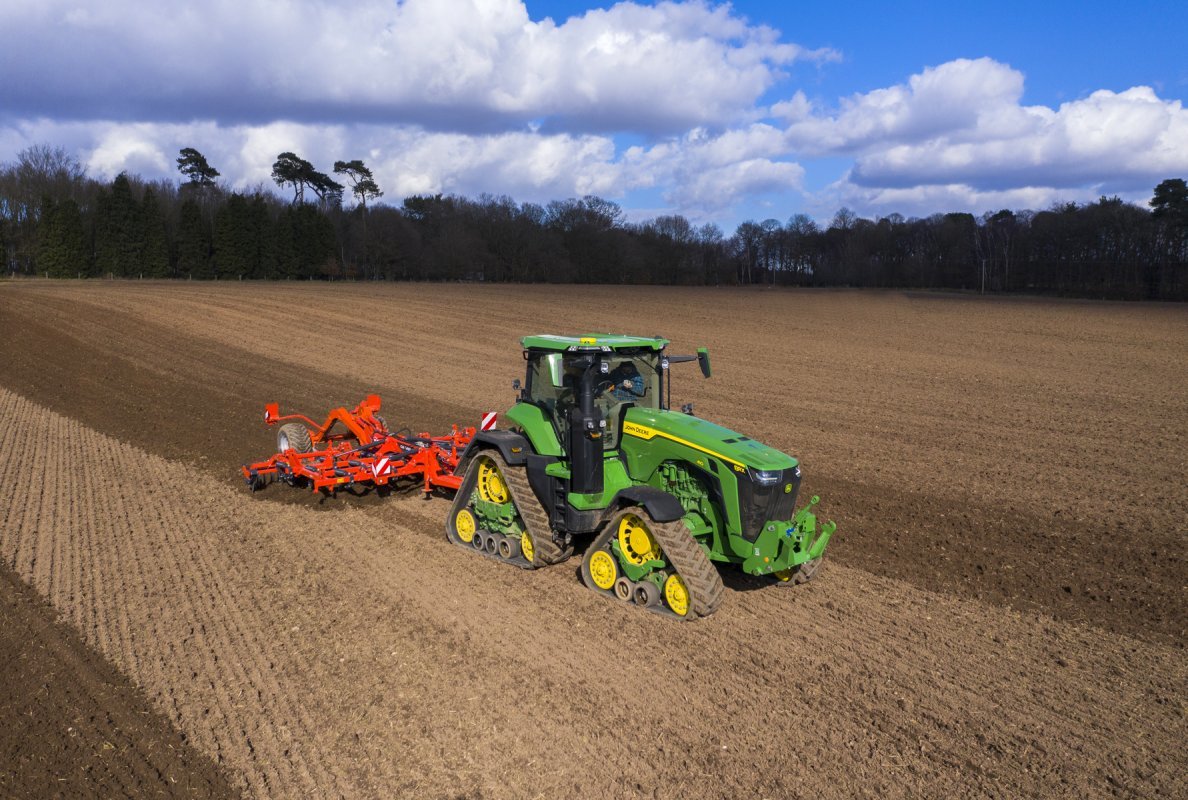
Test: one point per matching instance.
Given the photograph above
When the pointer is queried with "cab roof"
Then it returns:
(603, 342)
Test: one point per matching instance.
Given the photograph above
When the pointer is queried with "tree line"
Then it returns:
(57, 221)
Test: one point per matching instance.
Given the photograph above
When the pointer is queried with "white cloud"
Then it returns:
(925, 200)
(962, 125)
(967, 99)
(130, 148)
(1106, 138)
(699, 174)
(718, 188)
(457, 64)
(473, 96)
(703, 174)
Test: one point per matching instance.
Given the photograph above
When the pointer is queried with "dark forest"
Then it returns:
(55, 221)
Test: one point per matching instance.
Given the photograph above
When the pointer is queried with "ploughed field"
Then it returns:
(1002, 612)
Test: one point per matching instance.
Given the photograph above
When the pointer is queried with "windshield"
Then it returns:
(632, 378)
(640, 369)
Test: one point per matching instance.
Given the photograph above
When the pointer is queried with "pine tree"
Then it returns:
(264, 251)
(234, 245)
(193, 242)
(154, 254)
(194, 166)
(313, 240)
(61, 246)
(119, 234)
(282, 245)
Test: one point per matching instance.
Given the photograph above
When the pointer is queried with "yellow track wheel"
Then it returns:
(603, 569)
(465, 526)
(490, 483)
(677, 595)
(636, 541)
(527, 549)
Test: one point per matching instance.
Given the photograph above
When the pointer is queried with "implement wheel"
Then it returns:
(293, 436)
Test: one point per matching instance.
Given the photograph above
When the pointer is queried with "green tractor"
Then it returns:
(594, 450)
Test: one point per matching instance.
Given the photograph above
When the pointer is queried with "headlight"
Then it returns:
(765, 477)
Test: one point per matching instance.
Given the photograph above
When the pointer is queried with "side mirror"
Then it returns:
(703, 361)
(556, 369)
(516, 384)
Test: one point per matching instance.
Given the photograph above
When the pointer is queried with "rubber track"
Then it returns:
(536, 520)
(691, 564)
(685, 555)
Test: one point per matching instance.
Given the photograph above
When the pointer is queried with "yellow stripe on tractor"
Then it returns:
(644, 432)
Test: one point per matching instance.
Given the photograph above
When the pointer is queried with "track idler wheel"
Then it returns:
(604, 570)
(676, 594)
(465, 526)
(528, 547)
(672, 574)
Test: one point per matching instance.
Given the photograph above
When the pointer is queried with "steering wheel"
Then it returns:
(626, 385)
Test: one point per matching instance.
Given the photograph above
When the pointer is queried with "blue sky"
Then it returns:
(717, 112)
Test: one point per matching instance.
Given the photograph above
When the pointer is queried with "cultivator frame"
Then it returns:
(363, 453)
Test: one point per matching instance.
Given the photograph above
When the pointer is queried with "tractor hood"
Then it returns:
(735, 449)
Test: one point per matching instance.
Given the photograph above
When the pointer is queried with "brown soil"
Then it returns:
(1004, 612)
(73, 725)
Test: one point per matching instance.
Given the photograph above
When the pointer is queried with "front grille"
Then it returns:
(759, 503)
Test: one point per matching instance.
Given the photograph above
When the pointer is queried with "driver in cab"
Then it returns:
(628, 384)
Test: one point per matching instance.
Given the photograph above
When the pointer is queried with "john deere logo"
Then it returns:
(638, 430)
(787, 488)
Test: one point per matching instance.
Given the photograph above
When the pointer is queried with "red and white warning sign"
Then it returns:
(488, 421)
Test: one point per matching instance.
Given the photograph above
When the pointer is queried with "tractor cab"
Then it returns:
(583, 387)
(596, 378)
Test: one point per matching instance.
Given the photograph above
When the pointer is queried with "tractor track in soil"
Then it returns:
(358, 653)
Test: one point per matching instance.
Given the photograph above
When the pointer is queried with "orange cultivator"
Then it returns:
(355, 448)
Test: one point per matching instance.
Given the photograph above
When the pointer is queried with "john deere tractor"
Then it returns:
(594, 451)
